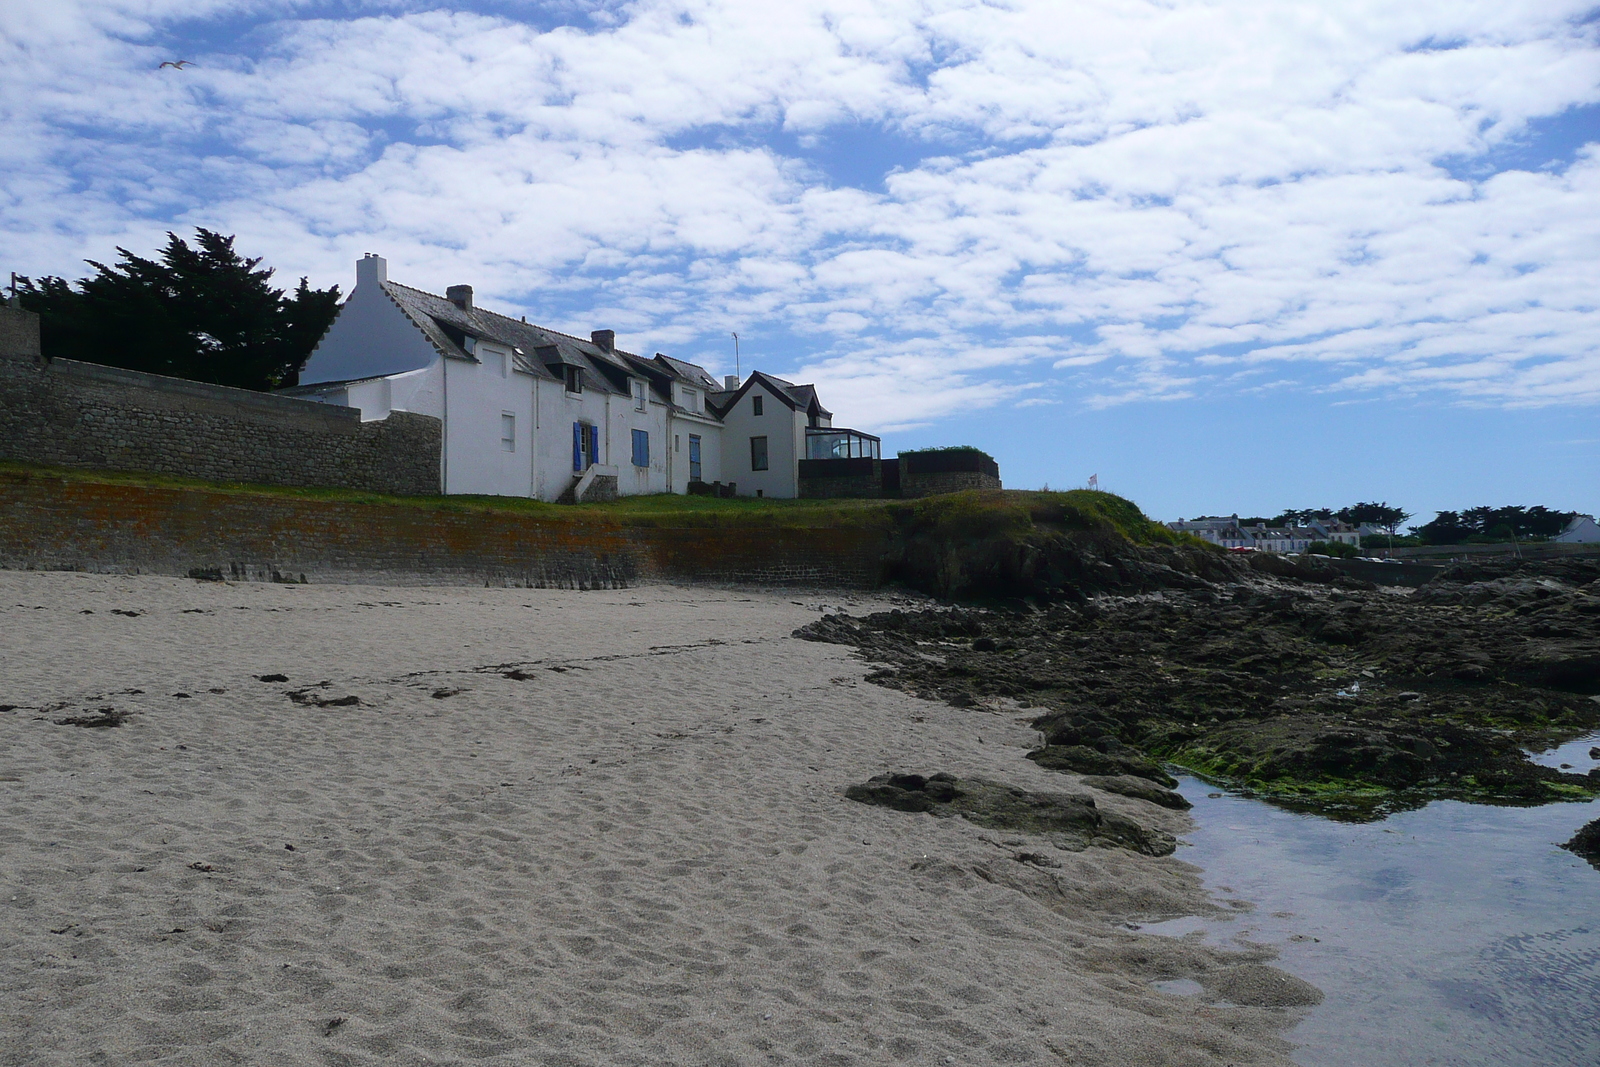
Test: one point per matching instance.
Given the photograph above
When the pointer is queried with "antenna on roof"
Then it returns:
(736, 356)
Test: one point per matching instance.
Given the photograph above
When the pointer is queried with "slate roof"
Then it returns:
(534, 348)
(796, 397)
(537, 350)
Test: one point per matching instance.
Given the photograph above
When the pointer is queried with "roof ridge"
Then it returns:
(514, 322)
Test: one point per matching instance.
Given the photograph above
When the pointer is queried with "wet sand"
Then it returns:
(551, 827)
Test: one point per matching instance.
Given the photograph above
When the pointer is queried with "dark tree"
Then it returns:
(1376, 514)
(1508, 522)
(1446, 528)
(204, 313)
(1301, 516)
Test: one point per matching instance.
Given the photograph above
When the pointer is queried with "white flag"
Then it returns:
(1094, 481)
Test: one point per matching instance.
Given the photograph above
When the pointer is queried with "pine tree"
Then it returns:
(204, 313)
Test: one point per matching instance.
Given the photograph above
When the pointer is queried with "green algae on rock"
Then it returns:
(1346, 702)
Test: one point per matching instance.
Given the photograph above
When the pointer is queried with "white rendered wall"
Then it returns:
(477, 394)
(680, 427)
(370, 336)
(784, 430)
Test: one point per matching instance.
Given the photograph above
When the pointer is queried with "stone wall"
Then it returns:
(913, 485)
(825, 479)
(68, 414)
(947, 471)
(60, 522)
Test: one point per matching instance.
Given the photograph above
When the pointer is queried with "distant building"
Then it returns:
(1336, 532)
(1582, 530)
(1228, 533)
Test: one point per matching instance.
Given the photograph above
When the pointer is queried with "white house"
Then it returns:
(528, 411)
(1582, 530)
(1228, 533)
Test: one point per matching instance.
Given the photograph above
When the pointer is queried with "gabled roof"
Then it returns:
(795, 397)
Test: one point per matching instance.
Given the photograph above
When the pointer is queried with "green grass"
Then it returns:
(973, 514)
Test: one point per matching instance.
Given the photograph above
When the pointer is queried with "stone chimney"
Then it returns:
(19, 333)
(460, 296)
(606, 339)
(730, 382)
(371, 270)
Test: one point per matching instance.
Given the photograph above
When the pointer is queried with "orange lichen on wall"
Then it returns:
(50, 521)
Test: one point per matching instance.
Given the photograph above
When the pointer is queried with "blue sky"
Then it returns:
(1230, 256)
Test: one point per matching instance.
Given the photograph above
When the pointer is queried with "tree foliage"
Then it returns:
(1375, 514)
(199, 312)
(1301, 516)
(1497, 524)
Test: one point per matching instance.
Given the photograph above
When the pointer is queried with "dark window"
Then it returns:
(694, 458)
(758, 453)
(574, 380)
(641, 448)
(755, 405)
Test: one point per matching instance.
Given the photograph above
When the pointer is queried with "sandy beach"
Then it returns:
(514, 826)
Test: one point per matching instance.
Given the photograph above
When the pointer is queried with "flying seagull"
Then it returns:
(179, 65)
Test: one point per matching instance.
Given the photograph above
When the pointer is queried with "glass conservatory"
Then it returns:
(835, 443)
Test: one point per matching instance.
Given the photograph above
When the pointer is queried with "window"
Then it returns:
(755, 405)
(758, 453)
(677, 443)
(638, 395)
(694, 458)
(574, 380)
(641, 448)
(691, 400)
(508, 432)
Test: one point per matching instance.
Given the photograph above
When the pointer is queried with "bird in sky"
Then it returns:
(179, 65)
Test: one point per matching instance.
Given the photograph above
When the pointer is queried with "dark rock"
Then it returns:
(1140, 788)
(1072, 816)
(206, 574)
(272, 677)
(100, 719)
(1346, 702)
(1081, 759)
(1586, 843)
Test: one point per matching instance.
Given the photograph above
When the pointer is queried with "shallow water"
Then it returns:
(1455, 935)
(1574, 755)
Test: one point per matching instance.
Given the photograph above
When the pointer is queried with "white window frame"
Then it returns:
(508, 431)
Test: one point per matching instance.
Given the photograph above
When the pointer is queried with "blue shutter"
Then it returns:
(594, 444)
(577, 447)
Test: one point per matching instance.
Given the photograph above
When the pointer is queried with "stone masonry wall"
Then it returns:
(69, 414)
(56, 522)
(913, 485)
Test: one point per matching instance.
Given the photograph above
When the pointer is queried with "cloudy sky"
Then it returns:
(1232, 255)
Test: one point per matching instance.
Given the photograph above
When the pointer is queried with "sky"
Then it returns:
(1229, 256)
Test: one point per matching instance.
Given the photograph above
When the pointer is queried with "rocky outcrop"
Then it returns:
(1345, 701)
(1071, 820)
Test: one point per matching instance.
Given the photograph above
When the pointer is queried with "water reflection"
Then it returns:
(1456, 934)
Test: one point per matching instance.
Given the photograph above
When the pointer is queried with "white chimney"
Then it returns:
(371, 270)
(730, 382)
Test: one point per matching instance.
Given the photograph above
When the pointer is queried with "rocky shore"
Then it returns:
(1306, 688)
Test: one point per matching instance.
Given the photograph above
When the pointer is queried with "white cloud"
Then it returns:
(1133, 199)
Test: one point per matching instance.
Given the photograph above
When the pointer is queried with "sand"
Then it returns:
(559, 827)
